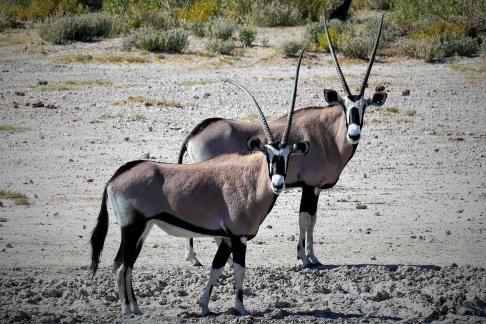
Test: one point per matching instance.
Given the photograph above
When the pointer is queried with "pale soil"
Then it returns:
(417, 252)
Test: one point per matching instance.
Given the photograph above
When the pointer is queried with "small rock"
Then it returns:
(52, 293)
(88, 179)
(373, 258)
(111, 298)
(3, 220)
(51, 106)
(206, 95)
(155, 245)
(413, 236)
(436, 150)
(35, 196)
(454, 265)
(9, 246)
(146, 155)
(448, 232)
(148, 103)
(377, 213)
(380, 87)
(41, 82)
(126, 138)
(71, 160)
(20, 93)
(1, 204)
(150, 128)
(38, 104)
(361, 206)
(365, 175)
(291, 238)
(269, 226)
(380, 295)
(406, 92)
(460, 211)
(83, 227)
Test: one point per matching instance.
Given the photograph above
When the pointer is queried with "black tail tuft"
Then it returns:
(99, 234)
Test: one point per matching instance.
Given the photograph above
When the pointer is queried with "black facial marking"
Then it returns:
(173, 220)
(222, 255)
(354, 116)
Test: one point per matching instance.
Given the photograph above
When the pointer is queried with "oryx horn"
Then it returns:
(286, 134)
(263, 120)
(372, 59)
(338, 68)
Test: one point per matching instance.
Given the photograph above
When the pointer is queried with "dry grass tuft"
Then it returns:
(148, 102)
(249, 117)
(74, 85)
(116, 58)
(404, 120)
(12, 129)
(17, 197)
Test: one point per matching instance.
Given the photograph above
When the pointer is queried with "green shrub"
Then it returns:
(483, 47)
(79, 28)
(355, 46)
(198, 28)
(157, 19)
(221, 28)
(291, 48)
(439, 47)
(247, 36)
(217, 45)
(4, 22)
(275, 14)
(315, 36)
(41, 9)
(202, 10)
(171, 41)
(380, 4)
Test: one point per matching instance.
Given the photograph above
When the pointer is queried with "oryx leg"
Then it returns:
(218, 241)
(131, 243)
(224, 250)
(238, 247)
(190, 254)
(307, 220)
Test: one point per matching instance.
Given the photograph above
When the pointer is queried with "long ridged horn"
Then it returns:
(263, 120)
(372, 59)
(338, 68)
(290, 114)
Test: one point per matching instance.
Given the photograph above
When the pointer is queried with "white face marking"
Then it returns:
(354, 129)
(278, 183)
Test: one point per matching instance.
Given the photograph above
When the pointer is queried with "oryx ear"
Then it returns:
(378, 99)
(254, 144)
(332, 97)
(300, 148)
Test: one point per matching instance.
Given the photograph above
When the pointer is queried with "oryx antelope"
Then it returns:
(226, 197)
(333, 131)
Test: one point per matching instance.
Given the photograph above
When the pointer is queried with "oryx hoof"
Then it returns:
(206, 312)
(128, 311)
(195, 262)
(315, 264)
(241, 311)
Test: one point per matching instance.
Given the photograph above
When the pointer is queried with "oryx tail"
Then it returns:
(99, 234)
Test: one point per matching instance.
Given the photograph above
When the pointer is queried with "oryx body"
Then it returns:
(226, 197)
(333, 131)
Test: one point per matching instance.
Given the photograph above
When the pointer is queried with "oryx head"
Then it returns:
(354, 105)
(277, 153)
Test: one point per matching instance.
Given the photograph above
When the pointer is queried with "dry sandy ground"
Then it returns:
(416, 253)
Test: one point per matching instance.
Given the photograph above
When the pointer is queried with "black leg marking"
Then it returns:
(239, 251)
(309, 200)
(191, 242)
(239, 294)
(222, 255)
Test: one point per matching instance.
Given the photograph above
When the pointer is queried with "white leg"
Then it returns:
(190, 254)
(204, 301)
(310, 241)
(304, 222)
(128, 284)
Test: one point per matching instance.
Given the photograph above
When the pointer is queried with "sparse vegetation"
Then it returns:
(410, 112)
(148, 102)
(274, 14)
(17, 197)
(247, 36)
(390, 110)
(249, 117)
(80, 28)
(108, 58)
(171, 41)
(12, 129)
(216, 45)
(221, 28)
(291, 48)
(74, 85)
(404, 120)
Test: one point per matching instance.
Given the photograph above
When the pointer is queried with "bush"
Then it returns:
(202, 10)
(247, 36)
(355, 46)
(41, 9)
(275, 14)
(315, 36)
(291, 48)
(217, 45)
(221, 28)
(79, 28)
(380, 4)
(483, 47)
(439, 47)
(5, 22)
(171, 41)
(199, 28)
